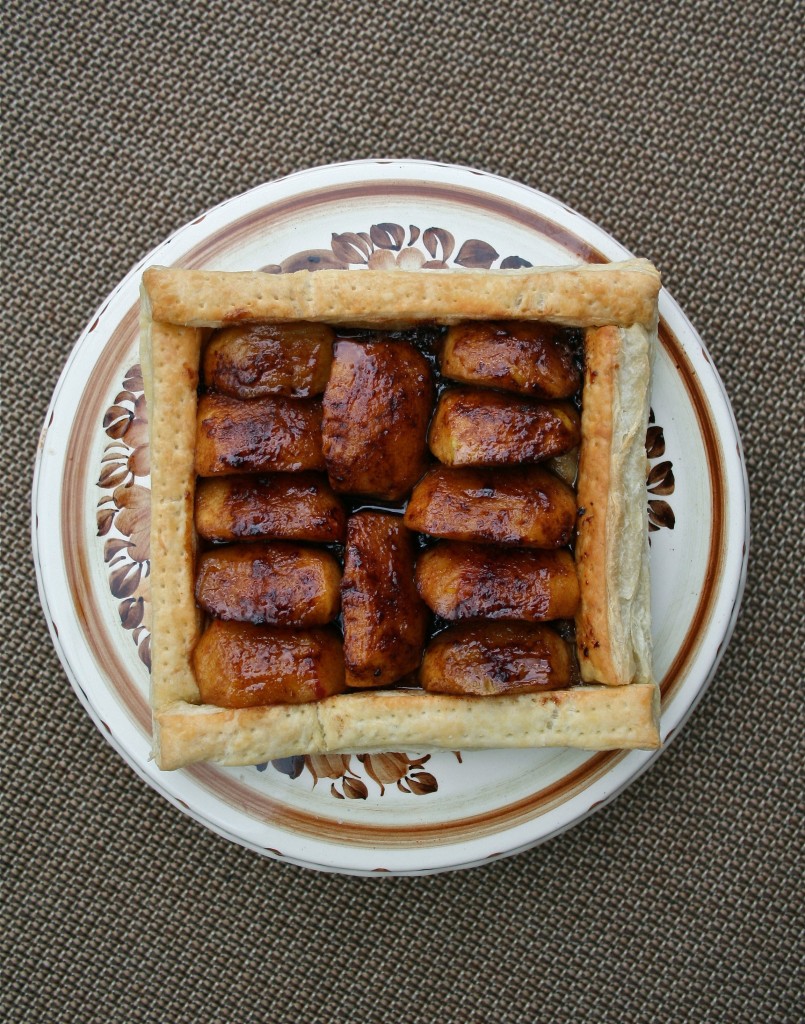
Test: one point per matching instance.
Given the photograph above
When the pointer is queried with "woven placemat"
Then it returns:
(678, 134)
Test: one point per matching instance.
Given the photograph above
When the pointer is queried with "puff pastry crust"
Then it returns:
(617, 304)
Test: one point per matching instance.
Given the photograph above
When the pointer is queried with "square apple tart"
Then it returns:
(399, 510)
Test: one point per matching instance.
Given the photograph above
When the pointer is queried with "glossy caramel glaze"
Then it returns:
(257, 360)
(286, 506)
(240, 665)
(525, 506)
(376, 410)
(495, 658)
(467, 581)
(267, 435)
(477, 427)
(384, 619)
(278, 583)
(530, 358)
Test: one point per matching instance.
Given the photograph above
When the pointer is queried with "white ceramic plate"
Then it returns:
(403, 812)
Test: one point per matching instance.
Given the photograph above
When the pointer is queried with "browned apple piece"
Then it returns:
(384, 617)
(526, 506)
(466, 581)
(280, 584)
(285, 506)
(257, 360)
(376, 410)
(265, 435)
(524, 356)
(475, 427)
(240, 665)
(496, 659)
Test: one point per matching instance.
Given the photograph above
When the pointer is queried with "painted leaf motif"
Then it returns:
(116, 421)
(113, 547)
(422, 783)
(133, 380)
(514, 263)
(144, 651)
(413, 233)
(661, 514)
(131, 612)
(112, 473)
(655, 442)
(104, 518)
(435, 237)
(476, 254)
(355, 789)
(350, 248)
(124, 580)
(661, 479)
(387, 236)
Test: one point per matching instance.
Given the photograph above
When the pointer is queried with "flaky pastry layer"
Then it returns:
(621, 300)
(588, 295)
(613, 624)
(595, 718)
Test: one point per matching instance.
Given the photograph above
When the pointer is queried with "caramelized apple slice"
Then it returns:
(240, 665)
(466, 581)
(486, 428)
(257, 360)
(282, 584)
(497, 658)
(267, 435)
(515, 355)
(383, 615)
(376, 410)
(525, 507)
(285, 506)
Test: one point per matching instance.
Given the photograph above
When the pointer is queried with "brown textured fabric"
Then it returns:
(675, 129)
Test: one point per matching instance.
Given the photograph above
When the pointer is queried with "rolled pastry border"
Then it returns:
(593, 718)
(178, 304)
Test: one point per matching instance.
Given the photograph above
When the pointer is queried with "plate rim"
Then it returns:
(670, 311)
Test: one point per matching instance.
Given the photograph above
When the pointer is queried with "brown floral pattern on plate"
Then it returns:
(659, 479)
(384, 247)
(392, 768)
(123, 512)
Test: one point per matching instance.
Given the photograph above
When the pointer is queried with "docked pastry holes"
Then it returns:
(616, 707)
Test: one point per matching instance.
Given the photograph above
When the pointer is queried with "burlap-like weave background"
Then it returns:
(676, 129)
